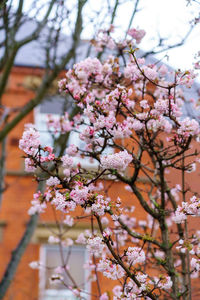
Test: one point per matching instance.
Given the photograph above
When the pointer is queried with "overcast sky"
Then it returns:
(169, 18)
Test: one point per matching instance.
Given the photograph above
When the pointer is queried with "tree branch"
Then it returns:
(2, 168)
(48, 78)
(19, 251)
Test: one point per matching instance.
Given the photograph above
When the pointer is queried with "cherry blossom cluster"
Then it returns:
(61, 125)
(104, 39)
(118, 161)
(187, 208)
(132, 126)
(137, 34)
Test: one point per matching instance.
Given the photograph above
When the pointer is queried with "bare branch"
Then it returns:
(48, 78)
(19, 251)
(2, 168)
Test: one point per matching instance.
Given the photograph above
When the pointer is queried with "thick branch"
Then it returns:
(19, 251)
(3, 3)
(34, 35)
(15, 46)
(48, 78)
(2, 168)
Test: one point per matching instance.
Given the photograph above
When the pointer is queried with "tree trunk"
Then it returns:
(19, 251)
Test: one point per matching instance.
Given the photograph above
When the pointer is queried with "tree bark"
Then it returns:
(19, 251)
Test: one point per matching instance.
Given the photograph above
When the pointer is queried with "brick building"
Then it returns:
(32, 284)
(16, 201)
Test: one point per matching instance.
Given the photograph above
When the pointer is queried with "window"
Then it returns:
(52, 105)
(51, 258)
(55, 106)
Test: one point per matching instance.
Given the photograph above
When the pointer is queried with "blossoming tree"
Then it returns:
(133, 129)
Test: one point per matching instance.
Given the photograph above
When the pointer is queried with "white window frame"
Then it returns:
(43, 293)
(41, 118)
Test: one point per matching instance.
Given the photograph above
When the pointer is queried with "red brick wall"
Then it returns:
(19, 191)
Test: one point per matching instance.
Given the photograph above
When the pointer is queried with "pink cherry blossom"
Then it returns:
(67, 161)
(119, 161)
(52, 181)
(137, 34)
(135, 255)
(30, 141)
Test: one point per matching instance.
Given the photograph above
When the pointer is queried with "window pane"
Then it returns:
(75, 258)
(58, 295)
(55, 105)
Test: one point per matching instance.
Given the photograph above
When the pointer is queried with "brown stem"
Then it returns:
(2, 168)
(120, 262)
(186, 231)
(94, 261)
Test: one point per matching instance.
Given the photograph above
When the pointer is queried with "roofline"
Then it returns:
(27, 66)
(31, 66)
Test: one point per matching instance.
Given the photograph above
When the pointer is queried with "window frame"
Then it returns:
(57, 292)
(39, 117)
